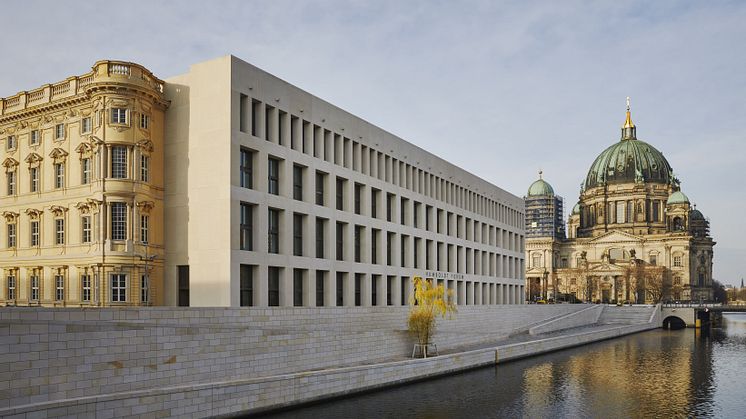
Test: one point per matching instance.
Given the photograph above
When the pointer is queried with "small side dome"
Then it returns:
(540, 187)
(696, 214)
(576, 209)
(677, 197)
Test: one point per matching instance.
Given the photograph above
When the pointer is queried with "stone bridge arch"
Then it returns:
(674, 322)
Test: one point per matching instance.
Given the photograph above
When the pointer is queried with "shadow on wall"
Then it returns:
(176, 197)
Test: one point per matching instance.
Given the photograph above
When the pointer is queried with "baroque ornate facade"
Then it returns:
(633, 236)
(82, 190)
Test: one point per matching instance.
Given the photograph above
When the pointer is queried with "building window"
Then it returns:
(10, 143)
(274, 231)
(34, 227)
(677, 261)
(297, 183)
(620, 212)
(85, 125)
(653, 259)
(273, 287)
(59, 131)
(85, 171)
(144, 288)
(340, 241)
(59, 228)
(11, 177)
(34, 175)
(247, 286)
(34, 279)
(374, 246)
(340, 193)
(119, 116)
(319, 238)
(183, 278)
(118, 221)
(273, 176)
(144, 168)
(247, 227)
(358, 197)
(374, 202)
(11, 287)
(119, 162)
(389, 207)
(297, 287)
(319, 288)
(85, 222)
(340, 288)
(656, 208)
(247, 169)
(297, 235)
(320, 178)
(536, 261)
(59, 287)
(144, 227)
(118, 288)
(34, 140)
(358, 238)
(59, 175)
(85, 284)
(358, 289)
(144, 121)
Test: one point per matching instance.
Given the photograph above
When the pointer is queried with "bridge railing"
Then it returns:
(690, 305)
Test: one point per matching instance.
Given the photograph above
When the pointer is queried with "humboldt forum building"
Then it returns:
(229, 187)
(633, 236)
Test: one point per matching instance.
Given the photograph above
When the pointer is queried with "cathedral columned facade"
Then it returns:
(634, 236)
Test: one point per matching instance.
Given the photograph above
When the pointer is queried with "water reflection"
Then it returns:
(653, 374)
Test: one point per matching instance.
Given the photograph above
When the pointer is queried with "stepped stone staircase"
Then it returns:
(626, 314)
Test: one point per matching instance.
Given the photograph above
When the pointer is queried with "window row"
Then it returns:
(322, 289)
(375, 203)
(272, 124)
(118, 170)
(119, 289)
(370, 245)
(118, 231)
(623, 211)
(117, 116)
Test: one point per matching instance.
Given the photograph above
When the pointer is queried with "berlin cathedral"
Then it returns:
(633, 236)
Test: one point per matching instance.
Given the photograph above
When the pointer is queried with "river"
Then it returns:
(660, 373)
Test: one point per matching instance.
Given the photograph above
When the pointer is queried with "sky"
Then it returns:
(500, 88)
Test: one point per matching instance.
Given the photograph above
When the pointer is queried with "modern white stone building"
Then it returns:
(274, 197)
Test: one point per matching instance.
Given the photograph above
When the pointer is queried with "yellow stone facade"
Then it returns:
(81, 193)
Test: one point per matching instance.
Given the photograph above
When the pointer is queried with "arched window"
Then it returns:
(678, 224)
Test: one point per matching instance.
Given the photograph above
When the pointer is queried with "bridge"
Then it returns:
(678, 315)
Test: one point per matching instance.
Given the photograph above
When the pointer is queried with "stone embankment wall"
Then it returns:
(201, 361)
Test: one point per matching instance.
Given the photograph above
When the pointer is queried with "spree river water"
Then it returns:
(660, 373)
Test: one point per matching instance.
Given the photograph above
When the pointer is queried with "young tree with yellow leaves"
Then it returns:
(427, 303)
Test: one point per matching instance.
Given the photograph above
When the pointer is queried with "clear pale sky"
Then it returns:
(499, 88)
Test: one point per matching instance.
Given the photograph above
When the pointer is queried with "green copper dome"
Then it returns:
(627, 161)
(540, 188)
(576, 209)
(677, 197)
(696, 214)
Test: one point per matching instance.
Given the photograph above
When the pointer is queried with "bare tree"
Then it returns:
(657, 283)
